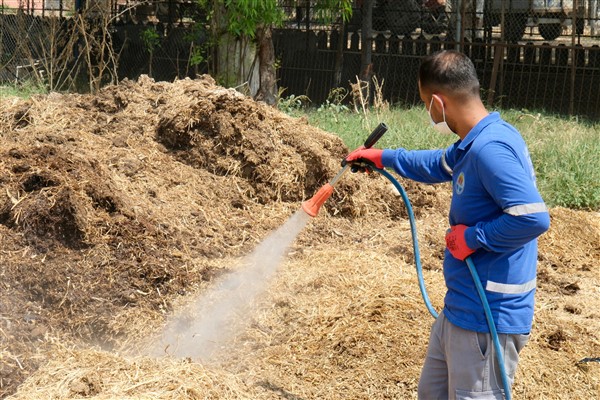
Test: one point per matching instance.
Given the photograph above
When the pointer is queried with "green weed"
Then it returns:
(23, 90)
(292, 104)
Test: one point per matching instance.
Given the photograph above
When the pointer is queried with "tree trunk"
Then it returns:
(233, 56)
(366, 53)
(339, 56)
(267, 90)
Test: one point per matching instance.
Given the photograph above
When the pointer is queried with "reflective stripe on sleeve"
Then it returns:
(445, 164)
(524, 209)
(507, 288)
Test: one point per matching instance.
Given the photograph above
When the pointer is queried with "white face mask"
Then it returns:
(441, 127)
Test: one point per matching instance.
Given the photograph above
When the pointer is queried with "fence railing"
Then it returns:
(559, 77)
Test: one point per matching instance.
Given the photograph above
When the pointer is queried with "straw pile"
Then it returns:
(118, 208)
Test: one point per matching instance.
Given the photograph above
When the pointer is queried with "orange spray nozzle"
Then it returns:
(313, 205)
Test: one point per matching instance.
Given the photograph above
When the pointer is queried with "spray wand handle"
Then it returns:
(371, 140)
(375, 135)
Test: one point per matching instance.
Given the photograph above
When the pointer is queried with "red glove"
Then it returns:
(456, 243)
(368, 156)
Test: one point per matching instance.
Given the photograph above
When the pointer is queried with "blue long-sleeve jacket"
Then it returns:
(494, 194)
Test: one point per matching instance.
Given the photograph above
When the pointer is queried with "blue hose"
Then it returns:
(492, 326)
(415, 240)
(470, 265)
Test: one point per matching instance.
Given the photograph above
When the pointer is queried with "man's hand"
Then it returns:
(456, 243)
(366, 156)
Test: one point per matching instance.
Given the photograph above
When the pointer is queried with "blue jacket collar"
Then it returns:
(472, 135)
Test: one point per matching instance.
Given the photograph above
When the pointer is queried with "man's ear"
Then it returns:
(439, 100)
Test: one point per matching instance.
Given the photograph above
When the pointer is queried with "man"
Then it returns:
(496, 214)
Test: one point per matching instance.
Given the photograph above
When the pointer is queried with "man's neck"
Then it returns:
(469, 116)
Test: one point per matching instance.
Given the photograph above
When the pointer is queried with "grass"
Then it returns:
(23, 90)
(408, 128)
(566, 156)
(565, 151)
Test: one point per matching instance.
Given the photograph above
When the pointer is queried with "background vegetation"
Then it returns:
(565, 151)
(23, 90)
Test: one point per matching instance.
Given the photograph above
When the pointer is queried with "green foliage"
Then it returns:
(151, 39)
(245, 16)
(23, 90)
(292, 104)
(197, 56)
(329, 10)
(334, 105)
(564, 150)
(198, 33)
(197, 52)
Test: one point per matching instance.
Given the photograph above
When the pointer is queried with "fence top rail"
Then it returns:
(327, 37)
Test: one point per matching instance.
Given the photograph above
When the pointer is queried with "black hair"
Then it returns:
(449, 71)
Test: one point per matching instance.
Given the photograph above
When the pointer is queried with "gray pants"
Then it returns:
(462, 364)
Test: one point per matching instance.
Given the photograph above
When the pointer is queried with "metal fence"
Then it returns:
(514, 20)
(509, 42)
(555, 77)
(76, 44)
(69, 52)
(525, 57)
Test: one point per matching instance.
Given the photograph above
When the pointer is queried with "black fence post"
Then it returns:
(354, 41)
(529, 54)
(380, 42)
(594, 56)
(562, 55)
(407, 46)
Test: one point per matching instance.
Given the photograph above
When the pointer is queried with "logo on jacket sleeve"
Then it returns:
(460, 183)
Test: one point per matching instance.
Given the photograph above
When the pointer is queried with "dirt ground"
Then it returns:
(118, 208)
